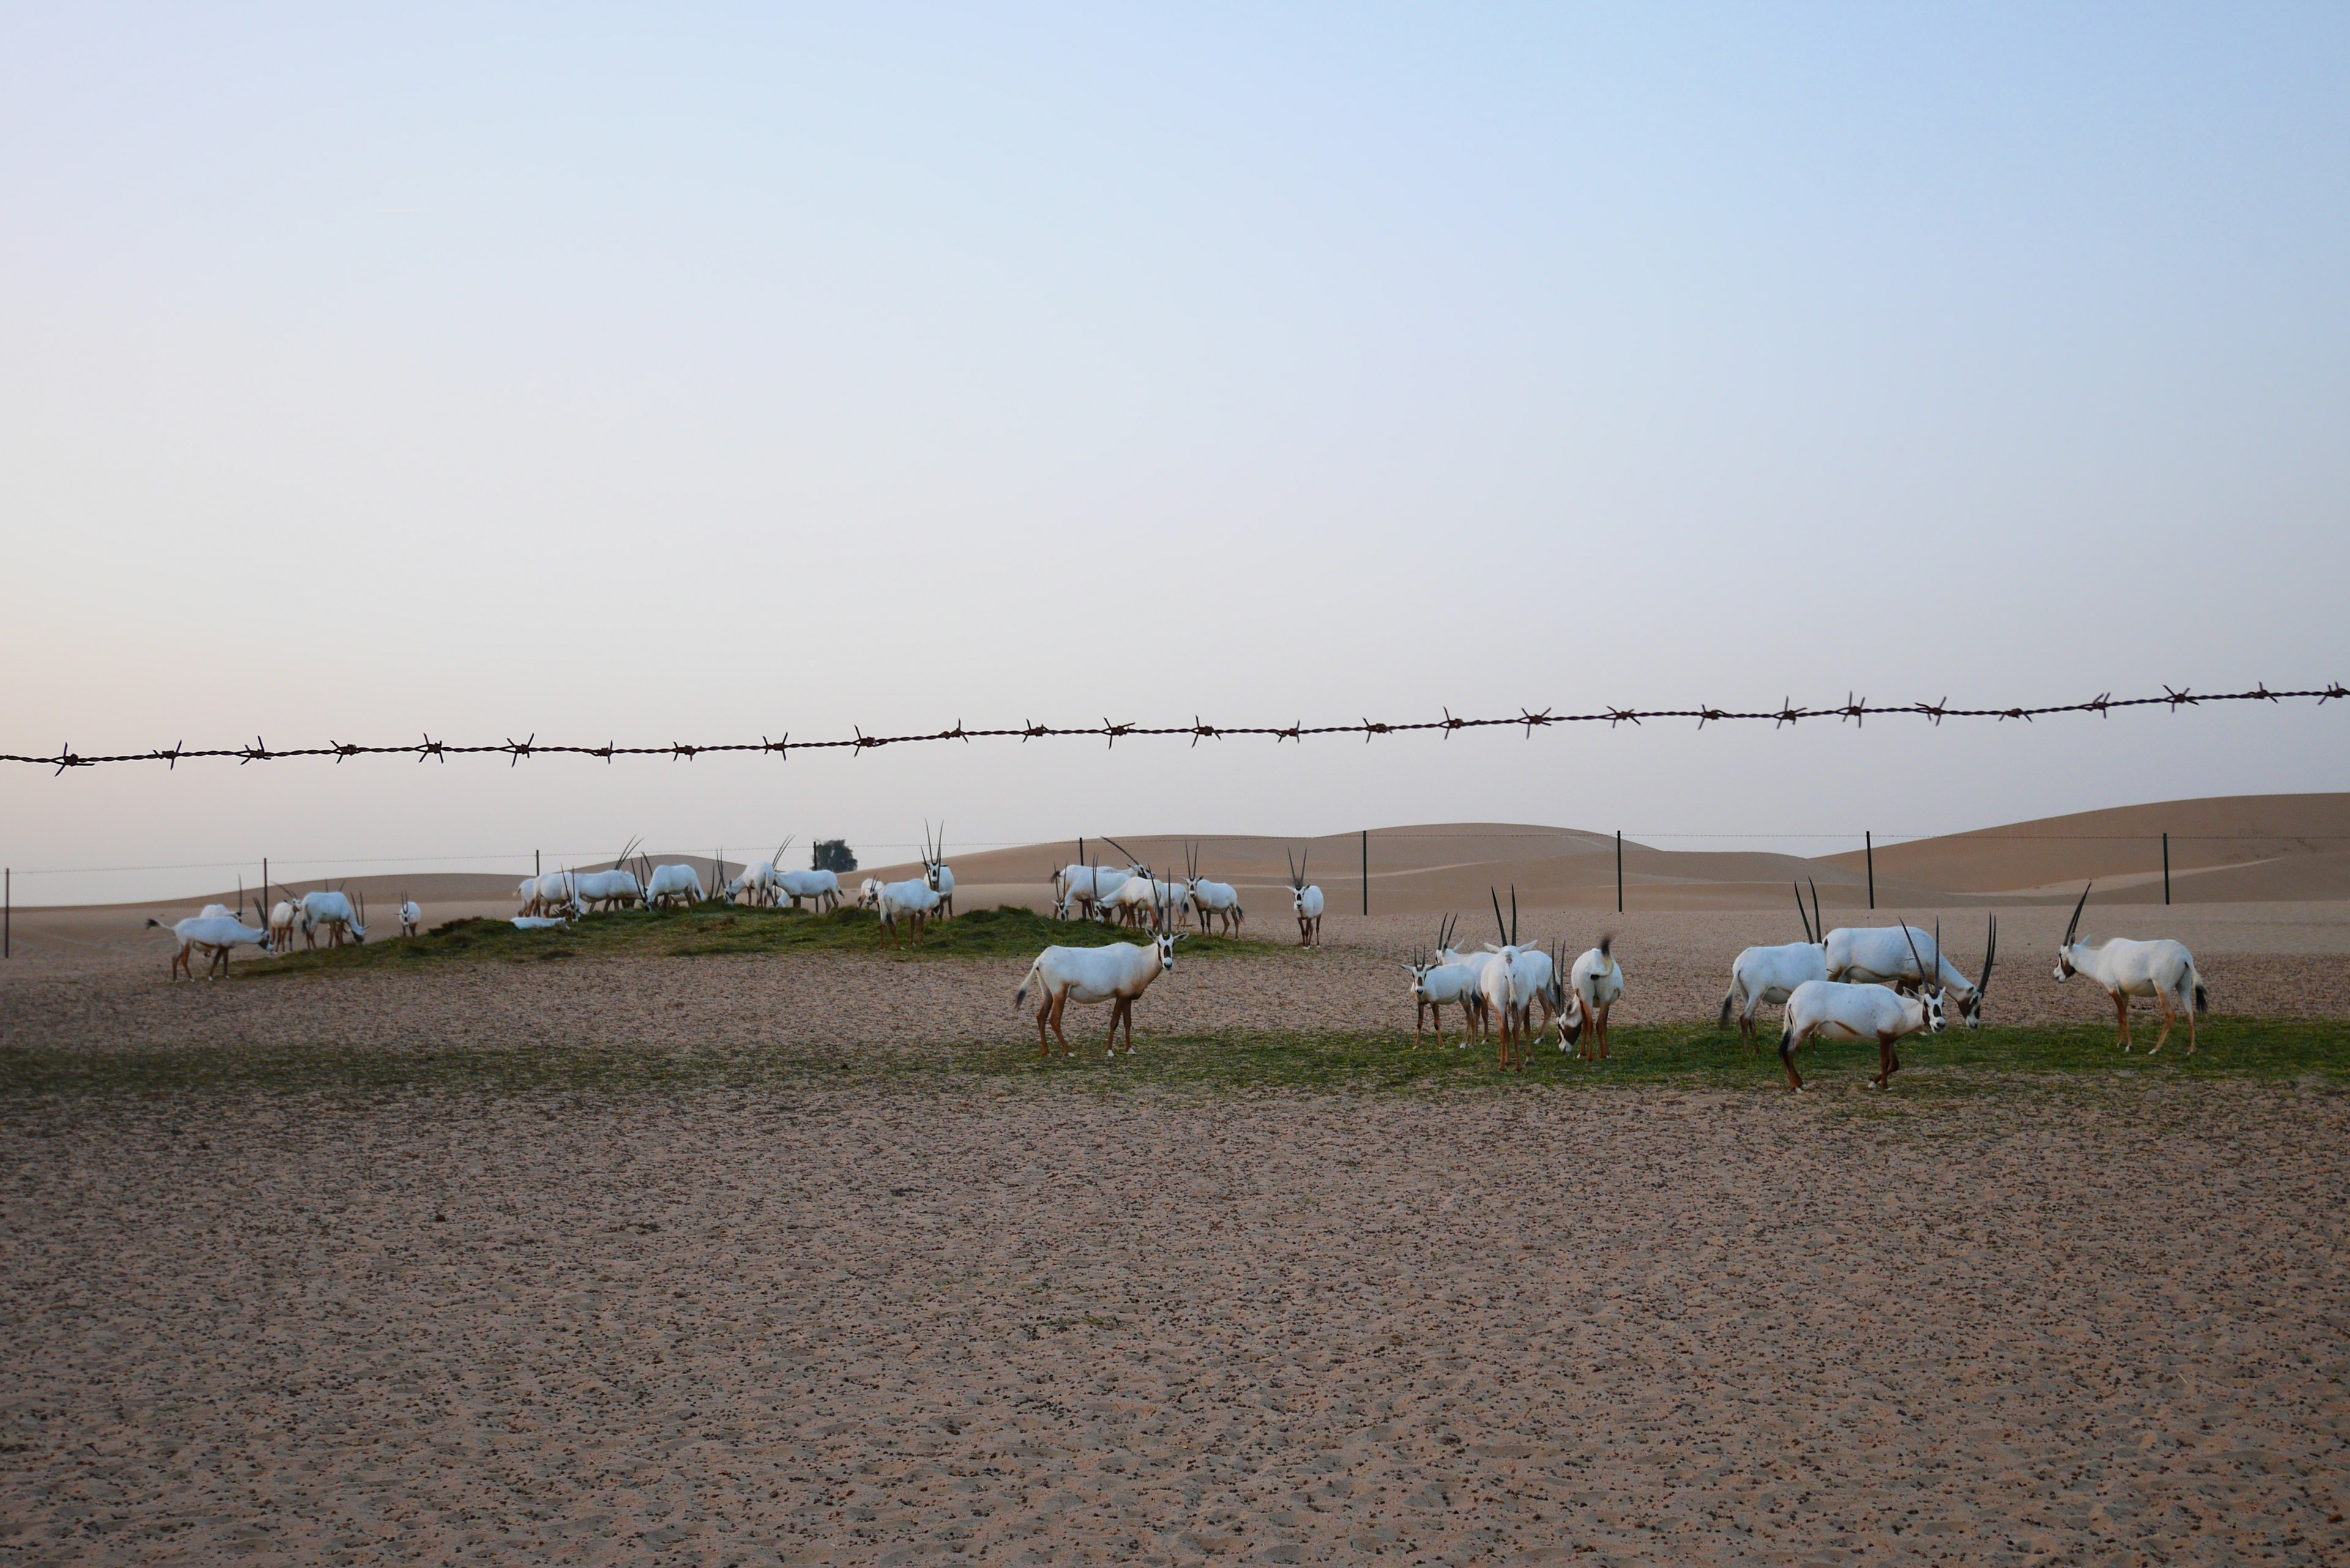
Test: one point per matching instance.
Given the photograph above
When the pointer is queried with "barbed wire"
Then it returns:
(1852, 709)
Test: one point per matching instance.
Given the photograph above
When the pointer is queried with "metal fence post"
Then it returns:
(2166, 871)
(1619, 870)
(1366, 871)
(1869, 844)
(8, 913)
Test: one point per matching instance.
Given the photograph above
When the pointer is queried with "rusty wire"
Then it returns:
(1851, 710)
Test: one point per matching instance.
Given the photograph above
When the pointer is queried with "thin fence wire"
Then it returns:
(1853, 710)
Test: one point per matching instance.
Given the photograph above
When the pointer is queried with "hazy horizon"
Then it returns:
(637, 376)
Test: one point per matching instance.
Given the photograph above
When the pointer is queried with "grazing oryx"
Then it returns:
(869, 894)
(1306, 901)
(621, 885)
(2164, 971)
(1837, 1010)
(1118, 974)
(1211, 901)
(673, 882)
(1598, 981)
(1435, 981)
(411, 916)
(1892, 955)
(334, 910)
(214, 933)
(759, 881)
(1129, 899)
(1769, 975)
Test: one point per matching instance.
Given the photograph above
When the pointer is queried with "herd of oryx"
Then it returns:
(1879, 983)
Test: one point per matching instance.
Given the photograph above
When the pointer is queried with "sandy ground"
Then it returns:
(999, 1326)
(1022, 1322)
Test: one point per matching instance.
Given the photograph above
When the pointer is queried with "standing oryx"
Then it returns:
(283, 915)
(620, 886)
(1436, 981)
(411, 918)
(2163, 969)
(1211, 901)
(1894, 956)
(1599, 983)
(1086, 889)
(1306, 901)
(1509, 985)
(912, 901)
(942, 874)
(1767, 975)
(1118, 974)
(1837, 1010)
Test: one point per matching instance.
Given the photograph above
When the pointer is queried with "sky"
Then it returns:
(707, 373)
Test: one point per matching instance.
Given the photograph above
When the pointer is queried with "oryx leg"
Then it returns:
(2162, 1000)
(1117, 1008)
(2121, 1018)
(1060, 1006)
(1129, 1026)
(1789, 1041)
(2187, 1003)
(1887, 1062)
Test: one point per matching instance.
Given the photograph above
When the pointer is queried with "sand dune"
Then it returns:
(2237, 849)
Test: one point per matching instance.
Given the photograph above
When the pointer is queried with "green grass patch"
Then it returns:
(717, 930)
(1684, 1055)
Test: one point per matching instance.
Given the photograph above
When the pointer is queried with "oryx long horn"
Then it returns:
(1294, 880)
(1818, 924)
(1500, 929)
(1513, 914)
(1801, 915)
(1913, 947)
(2073, 928)
(1991, 953)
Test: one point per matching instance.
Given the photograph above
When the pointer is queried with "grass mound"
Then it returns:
(1690, 1057)
(713, 929)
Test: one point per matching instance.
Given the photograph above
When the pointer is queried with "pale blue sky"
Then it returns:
(614, 372)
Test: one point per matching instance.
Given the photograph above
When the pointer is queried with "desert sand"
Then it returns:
(1034, 1319)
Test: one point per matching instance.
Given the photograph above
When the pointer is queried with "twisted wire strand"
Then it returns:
(1851, 710)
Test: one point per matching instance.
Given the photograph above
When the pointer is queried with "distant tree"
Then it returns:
(833, 855)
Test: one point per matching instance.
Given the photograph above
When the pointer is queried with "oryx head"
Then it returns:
(1164, 932)
(2064, 970)
(1929, 997)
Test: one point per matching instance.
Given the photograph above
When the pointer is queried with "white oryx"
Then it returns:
(1894, 956)
(411, 918)
(869, 894)
(1211, 901)
(282, 917)
(942, 874)
(1837, 1010)
(1508, 987)
(822, 887)
(758, 880)
(2162, 969)
(1082, 888)
(542, 893)
(1118, 974)
(913, 901)
(669, 883)
(1766, 976)
(334, 909)
(1305, 901)
(1598, 981)
(540, 922)
(216, 934)
(1436, 982)
(622, 886)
